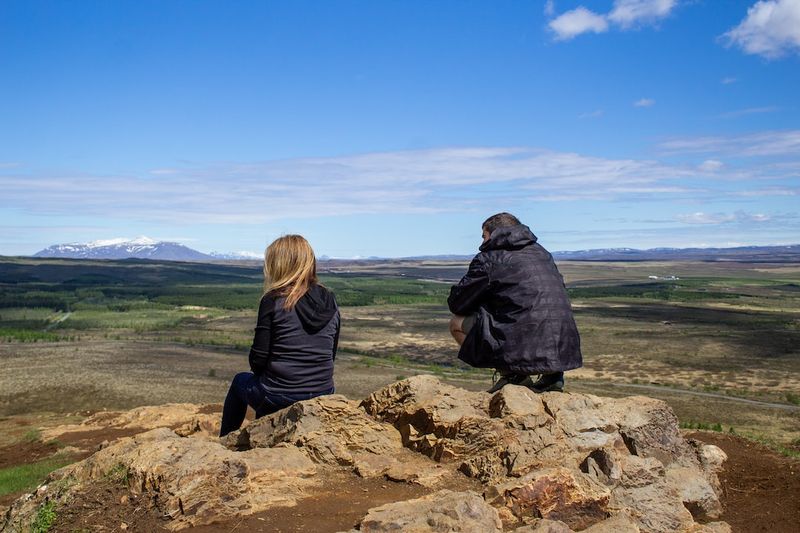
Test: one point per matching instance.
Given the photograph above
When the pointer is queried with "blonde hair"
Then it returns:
(290, 268)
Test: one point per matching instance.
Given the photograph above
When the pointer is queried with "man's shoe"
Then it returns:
(511, 379)
(548, 383)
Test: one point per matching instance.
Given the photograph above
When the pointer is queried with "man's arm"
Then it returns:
(467, 295)
(260, 351)
(336, 337)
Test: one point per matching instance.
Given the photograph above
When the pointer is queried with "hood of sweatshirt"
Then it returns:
(316, 308)
(509, 238)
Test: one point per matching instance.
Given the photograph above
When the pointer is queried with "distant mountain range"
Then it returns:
(146, 248)
(779, 254)
(138, 248)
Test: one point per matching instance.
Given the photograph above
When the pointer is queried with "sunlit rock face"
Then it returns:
(534, 462)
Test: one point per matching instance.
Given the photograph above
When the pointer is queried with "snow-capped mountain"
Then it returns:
(238, 256)
(122, 248)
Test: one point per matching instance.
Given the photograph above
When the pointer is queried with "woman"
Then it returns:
(295, 340)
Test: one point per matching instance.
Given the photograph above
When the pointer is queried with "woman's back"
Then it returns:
(303, 342)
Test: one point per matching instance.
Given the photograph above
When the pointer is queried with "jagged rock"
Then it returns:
(711, 527)
(544, 525)
(198, 482)
(193, 481)
(553, 460)
(556, 494)
(697, 494)
(441, 511)
(188, 418)
(332, 430)
(619, 523)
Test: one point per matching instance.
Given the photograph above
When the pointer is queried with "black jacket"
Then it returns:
(293, 351)
(523, 321)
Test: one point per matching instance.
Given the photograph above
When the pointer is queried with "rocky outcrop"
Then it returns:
(441, 511)
(553, 462)
(185, 418)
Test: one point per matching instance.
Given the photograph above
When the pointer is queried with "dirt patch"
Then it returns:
(760, 487)
(338, 505)
(107, 507)
(211, 409)
(26, 452)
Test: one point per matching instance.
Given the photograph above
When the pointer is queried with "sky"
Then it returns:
(394, 128)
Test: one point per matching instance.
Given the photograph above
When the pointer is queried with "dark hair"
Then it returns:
(500, 220)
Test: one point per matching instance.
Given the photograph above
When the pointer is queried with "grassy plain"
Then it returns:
(720, 341)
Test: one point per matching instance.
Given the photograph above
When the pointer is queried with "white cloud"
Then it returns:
(749, 111)
(625, 14)
(421, 181)
(711, 165)
(578, 21)
(768, 143)
(549, 8)
(727, 80)
(771, 29)
(723, 218)
(768, 191)
(416, 181)
(597, 113)
(629, 13)
(644, 102)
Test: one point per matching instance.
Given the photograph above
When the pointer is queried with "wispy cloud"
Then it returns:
(597, 113)
(711, 165)
(406, 182)
(624, 14)
(768, 143)
(728, 80)
(722, 218)
(630, 13)
(644, 102)
(771, 29)
(768, 191)
(420, 181)
(749, 111)
(549, 8)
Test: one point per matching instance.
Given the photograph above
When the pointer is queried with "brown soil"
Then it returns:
(339, 505)
(91, 439)
(26, 452)
(760, 487)
(107, 507)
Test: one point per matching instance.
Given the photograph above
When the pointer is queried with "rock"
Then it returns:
(196, 482)
(189, 417)
(711, 527)
(544, 525)
(556, 494)
(440, 511)
(655, 507)
(449, 424)
(697, 494)
(332, 430)
(547, 462)
(619, 523)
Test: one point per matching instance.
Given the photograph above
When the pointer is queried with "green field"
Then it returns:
(703, 336)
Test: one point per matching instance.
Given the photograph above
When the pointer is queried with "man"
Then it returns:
(511, 310)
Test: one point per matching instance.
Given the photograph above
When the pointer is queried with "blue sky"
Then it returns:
(394, 128)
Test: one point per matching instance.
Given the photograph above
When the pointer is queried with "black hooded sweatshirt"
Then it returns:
(293, 350)
(523, 318)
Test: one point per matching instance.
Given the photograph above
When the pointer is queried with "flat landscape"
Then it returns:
(719, 341)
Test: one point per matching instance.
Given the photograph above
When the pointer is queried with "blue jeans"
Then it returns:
(246, 389)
